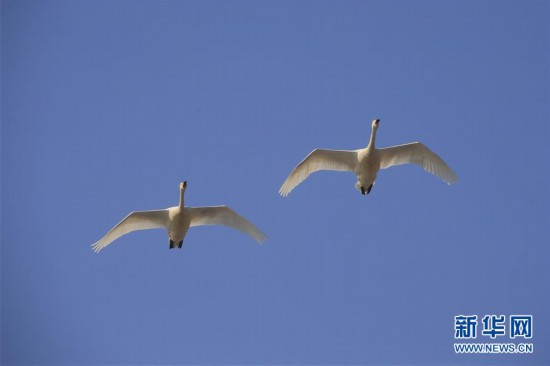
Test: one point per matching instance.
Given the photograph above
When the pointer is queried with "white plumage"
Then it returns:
(177, 220)
(365, 163)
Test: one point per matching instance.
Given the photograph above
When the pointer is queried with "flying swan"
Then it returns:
(366, 163)
(177, 220)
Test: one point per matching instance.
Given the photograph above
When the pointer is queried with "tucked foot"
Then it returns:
(180, 244)
(362, 190)
(370, 187)
(172, 246)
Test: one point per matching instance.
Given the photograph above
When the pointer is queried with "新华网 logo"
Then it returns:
(492, 327)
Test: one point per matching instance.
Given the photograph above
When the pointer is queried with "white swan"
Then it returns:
(177, 220)
(366, 163)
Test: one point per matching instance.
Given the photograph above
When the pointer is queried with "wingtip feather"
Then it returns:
(284, 190)
(96, 247)
(262, 238)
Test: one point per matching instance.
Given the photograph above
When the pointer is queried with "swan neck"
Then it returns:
(182, 192)
(372, 138)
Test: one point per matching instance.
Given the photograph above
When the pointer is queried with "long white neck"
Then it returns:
(182, 191)
(370, 146)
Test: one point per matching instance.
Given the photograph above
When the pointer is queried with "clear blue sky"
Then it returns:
(107, 106)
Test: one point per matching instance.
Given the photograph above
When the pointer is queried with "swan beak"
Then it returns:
(376, 121)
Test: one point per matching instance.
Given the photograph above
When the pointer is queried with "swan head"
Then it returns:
(375, 123)
(183, 185)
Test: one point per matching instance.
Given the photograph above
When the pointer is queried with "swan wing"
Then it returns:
(417, 153)
(319, 159)
(138, 220)
(223, 215)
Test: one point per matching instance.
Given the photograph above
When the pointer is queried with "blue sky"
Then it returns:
(107, 106)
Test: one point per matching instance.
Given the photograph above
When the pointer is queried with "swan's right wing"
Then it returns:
(319, 159)
(223, 215)
(417, 153)
(138, 220)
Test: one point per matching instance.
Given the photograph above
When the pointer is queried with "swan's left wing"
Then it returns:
(137, 220)
(319, 159)
(223, 215)
(417, 153)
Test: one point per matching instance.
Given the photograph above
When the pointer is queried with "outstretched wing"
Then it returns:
(138, 220)
(417, 153)
(319, 159)
(223, 215)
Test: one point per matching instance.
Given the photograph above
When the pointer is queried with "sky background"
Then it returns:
(107, 106)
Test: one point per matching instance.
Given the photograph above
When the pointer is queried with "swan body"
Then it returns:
(177, 221)
(365, 163)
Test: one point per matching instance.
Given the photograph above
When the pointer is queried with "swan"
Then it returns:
(177, 220)
(366, 163)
